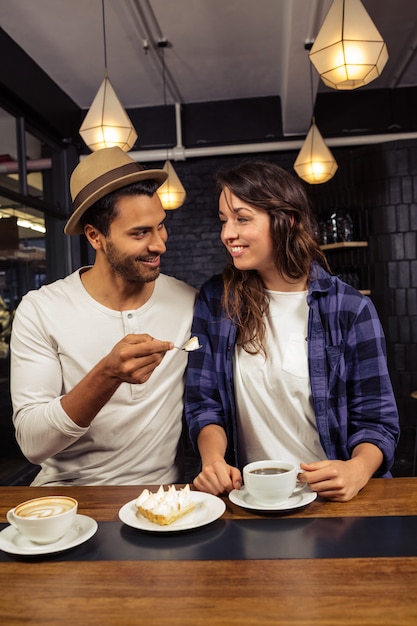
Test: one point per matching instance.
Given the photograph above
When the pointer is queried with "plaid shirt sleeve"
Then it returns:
(352, 392)
(209, 392)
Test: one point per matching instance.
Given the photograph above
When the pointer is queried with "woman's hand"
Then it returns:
(341, 481)
(218, 477)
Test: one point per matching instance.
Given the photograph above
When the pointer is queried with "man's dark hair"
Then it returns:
(102, 213)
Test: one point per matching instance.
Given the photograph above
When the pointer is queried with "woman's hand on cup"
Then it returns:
(339, 481)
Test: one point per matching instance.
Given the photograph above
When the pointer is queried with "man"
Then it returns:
(97, 396)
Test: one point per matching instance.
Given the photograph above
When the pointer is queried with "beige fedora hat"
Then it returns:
(100, 173)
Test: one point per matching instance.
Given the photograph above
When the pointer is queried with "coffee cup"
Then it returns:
(270, 481)
(45, 519)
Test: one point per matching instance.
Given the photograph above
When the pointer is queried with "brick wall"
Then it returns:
(378, 185)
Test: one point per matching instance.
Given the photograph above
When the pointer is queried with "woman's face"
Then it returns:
(246, 233)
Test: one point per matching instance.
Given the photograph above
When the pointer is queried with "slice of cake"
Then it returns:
(164, 507)
(192, 344)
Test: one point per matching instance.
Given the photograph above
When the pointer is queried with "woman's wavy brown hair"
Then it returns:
(270, 188)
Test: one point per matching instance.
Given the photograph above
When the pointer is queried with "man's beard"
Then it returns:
(130, 269)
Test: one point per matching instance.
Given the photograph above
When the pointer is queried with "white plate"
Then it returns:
(13, 542)
(207, 509)
(296, 501)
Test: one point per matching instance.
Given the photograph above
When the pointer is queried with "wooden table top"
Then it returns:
(340, 588)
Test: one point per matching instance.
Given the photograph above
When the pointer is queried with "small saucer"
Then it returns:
(295, 501)
(13, 542)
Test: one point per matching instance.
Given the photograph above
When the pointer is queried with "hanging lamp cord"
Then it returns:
(164, 90)
(104, 38)
(312, 96)
(164, 94)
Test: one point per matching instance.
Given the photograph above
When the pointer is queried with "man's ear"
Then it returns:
(94, 236)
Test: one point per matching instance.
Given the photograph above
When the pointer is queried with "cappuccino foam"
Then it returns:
(45, 507)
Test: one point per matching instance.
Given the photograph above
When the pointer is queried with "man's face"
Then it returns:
(137, 237)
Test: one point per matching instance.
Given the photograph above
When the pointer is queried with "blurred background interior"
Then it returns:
(206, 84)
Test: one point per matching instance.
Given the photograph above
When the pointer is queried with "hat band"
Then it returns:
(103, 180)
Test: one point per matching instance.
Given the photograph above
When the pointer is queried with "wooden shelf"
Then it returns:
(344, 244)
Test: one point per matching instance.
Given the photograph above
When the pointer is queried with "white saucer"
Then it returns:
(295, 501)
(207, 509)
(13, 542)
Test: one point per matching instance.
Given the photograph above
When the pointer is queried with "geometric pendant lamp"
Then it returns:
(107, 123)
(171, 193)
(349, 51)
(315, 163)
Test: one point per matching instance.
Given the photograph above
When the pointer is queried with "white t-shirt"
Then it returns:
(59, 333)
(273, 396)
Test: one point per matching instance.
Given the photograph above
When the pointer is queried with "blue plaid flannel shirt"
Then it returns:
(351, 389)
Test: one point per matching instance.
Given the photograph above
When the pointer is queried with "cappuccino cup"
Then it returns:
(44, 520)
(272, 481)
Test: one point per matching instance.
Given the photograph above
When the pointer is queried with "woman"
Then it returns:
(293, 363)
